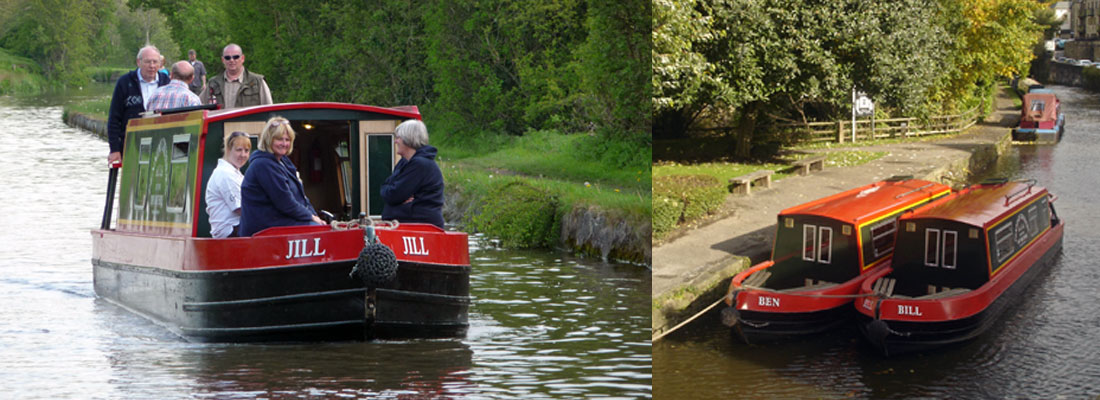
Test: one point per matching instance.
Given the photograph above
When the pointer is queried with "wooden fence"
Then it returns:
(867, 129)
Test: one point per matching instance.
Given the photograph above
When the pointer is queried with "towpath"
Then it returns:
(692, 271)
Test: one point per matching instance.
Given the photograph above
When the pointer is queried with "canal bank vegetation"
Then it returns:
(19, 75)
(66, 37)
(552, 95)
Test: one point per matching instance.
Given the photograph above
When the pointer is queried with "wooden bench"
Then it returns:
(813, 163)
(743, 183)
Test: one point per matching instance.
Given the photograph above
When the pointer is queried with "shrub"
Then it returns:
(697, 195)
(520, 215)
(666, 214)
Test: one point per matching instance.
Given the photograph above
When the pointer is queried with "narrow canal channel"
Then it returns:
(544, 324)
(1044, 347)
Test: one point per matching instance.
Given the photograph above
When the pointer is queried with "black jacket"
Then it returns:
(272, 195)
(421, 179)
(126, 103)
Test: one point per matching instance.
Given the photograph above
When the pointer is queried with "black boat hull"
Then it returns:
(900, 337)
(303, 302)
(754, 327)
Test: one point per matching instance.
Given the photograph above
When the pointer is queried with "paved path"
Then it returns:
(695, 266)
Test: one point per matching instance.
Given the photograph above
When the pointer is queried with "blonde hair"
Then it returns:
(276, 127)
(227, 142)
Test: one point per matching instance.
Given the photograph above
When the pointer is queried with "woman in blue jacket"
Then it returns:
(414, 191)
(271, 194)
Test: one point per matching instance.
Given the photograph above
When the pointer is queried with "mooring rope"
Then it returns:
(665, 333)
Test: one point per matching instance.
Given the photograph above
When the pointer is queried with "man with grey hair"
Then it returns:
(236, 87)
(132, 93)
(175, 94)
(199, 82)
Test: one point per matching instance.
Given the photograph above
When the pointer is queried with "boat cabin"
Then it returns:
(343, 153)
(1041, 110)
(962, 241)
(838, 238)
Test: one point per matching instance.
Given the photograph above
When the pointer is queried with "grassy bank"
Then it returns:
(543, 190)
(684, 193)
(94, 108)
(19, 75)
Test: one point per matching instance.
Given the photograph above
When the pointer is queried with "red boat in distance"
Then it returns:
(959, 263)
(822, 252)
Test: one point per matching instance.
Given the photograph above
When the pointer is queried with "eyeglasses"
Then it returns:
(150, 62)
(232, 57)
(237, 133)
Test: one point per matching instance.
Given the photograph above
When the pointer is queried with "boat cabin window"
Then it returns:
(817, 243)
(1003, 237)
(177, 185)
(145, 151)
(882, 236)
(941, 248)
(931, 247)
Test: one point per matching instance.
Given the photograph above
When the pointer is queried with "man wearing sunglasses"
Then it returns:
(236, 87)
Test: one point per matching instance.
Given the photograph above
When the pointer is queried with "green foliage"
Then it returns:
(615, 62)
(520, 215)
(749, 63)
(19, 75)
(553, 154)
(68, 36)
(1091, 78)
(666, 214)
(699, 195)
(105, 74)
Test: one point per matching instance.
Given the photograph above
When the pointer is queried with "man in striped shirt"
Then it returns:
(176, 93)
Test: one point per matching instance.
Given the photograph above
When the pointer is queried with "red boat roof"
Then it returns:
(221, 115)
(981, 205)
(403, 111)
(871, 201)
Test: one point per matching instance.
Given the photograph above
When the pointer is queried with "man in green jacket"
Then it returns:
(235, 87)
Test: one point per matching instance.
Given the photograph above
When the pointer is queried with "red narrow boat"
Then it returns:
(959, 263)
(1041, 118)
(823, 250)
(284, 283)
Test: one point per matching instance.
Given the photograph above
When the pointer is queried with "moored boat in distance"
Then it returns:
(959, 263)
(283, 283)
(822, 252)
(1041, 118)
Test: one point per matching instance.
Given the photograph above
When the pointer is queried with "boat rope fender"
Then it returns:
(377, 264)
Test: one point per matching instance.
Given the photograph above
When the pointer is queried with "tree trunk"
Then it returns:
(743, 135)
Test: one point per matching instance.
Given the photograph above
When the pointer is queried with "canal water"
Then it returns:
(543, 324)
(1047, 346)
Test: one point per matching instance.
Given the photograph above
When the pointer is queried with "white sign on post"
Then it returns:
(863, 105)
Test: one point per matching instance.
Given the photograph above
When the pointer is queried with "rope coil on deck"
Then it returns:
(377, 264)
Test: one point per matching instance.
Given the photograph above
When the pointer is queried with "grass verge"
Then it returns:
(539, 190)
(19, 75)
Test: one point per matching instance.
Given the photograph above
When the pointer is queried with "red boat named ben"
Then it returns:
(959, 263)
(823, 250)
(284, 283)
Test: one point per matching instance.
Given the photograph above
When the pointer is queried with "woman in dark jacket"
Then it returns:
(271, 194)
(414, 191)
